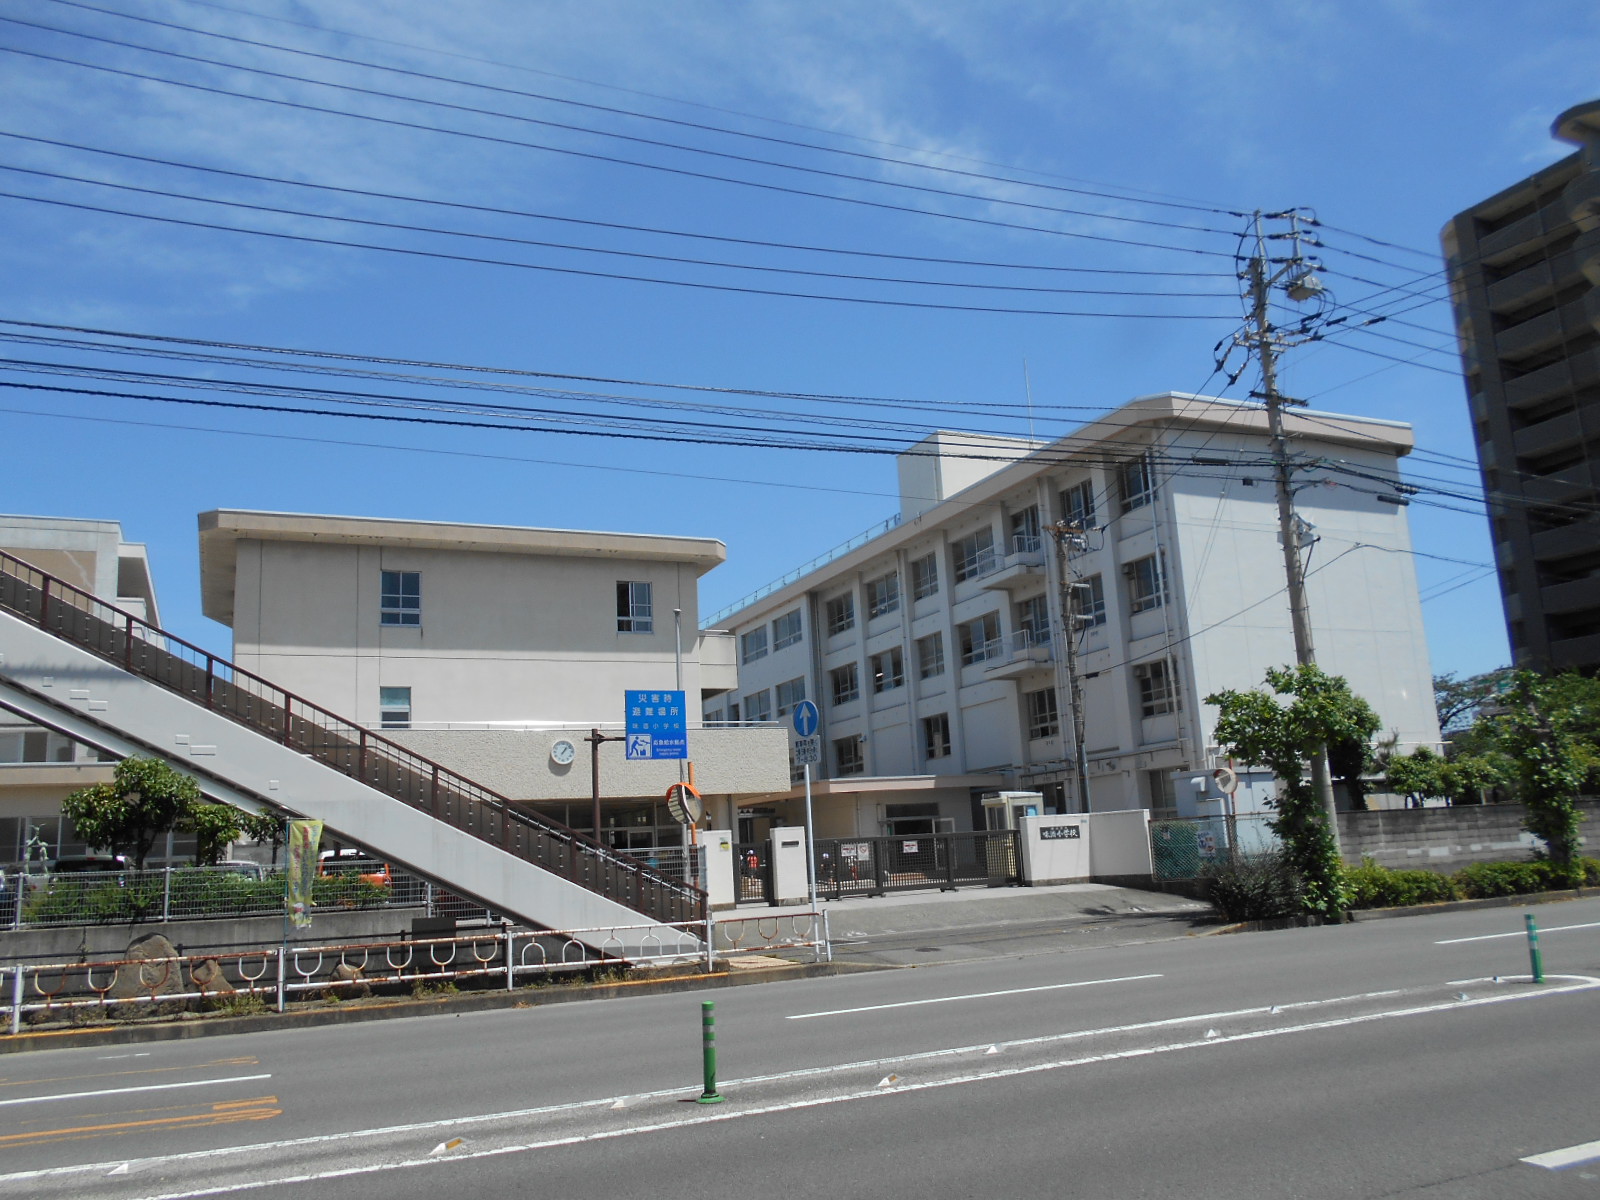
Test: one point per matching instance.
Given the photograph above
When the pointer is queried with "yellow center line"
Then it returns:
(261, 1108)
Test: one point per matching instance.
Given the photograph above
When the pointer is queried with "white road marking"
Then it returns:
(900, 1060)
(1049, 987)
(1516, 933)
(1554, 1160)
(110, 1057)
(1586, 983)
(149, 1087)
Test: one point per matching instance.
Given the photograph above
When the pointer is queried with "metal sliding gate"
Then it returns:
(873, 866)
(752, 872)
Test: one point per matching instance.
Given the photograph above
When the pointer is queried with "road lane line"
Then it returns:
(632, 1098)
(1049, 987)
(1554, 1160)
(701, 1118)
(148, 1087)
(1516, 933)
(259, 1109)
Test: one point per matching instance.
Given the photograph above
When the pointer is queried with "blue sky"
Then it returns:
(1061, 125)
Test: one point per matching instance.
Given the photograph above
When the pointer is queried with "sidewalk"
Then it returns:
(984, 922)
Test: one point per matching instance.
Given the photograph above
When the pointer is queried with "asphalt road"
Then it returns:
(1384, 1059)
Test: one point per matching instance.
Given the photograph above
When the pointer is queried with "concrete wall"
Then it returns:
(80, 943)
(1447, 839)
(1110, 845)
(503, 637)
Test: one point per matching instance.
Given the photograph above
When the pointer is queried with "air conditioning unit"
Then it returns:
(1141, 671)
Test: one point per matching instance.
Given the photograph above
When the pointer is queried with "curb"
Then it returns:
(182, 1029)
(1356, 916)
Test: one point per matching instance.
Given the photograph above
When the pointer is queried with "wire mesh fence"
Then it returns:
(1192, 847)
(197, 893)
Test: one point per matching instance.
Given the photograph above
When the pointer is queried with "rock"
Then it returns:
(145, 974)
(208, 977)
(348, 981)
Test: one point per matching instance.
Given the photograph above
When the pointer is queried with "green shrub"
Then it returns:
(1257, 887)
(1372, 886)
(1481, 880)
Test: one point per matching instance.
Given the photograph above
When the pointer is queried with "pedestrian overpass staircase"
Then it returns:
(73, 663)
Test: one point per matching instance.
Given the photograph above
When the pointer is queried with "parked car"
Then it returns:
(78, 864)
(249, 870)
(350, 861)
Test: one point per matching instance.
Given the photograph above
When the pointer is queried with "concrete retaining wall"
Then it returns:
(102, 943)
(1447, 839)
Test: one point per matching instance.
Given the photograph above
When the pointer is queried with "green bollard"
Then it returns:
(708, 1041)
(1534, 957)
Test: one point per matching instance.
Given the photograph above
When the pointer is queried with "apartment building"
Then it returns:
(1524, 271)
(494, 650)
(936, 650)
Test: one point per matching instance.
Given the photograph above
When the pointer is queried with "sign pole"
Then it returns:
(811, 843)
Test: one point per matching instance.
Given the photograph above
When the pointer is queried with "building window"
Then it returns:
(936, 736)
(930, 656)
(733, 712)
(790, 693)
(394, 707)
(1147, 587)
(401, 602)
(846, 683)
(1077, 505)
(753, 645)
(980, 639)
(1033, 619)
(883, 595)
(758, 706)
(1089, 602)
(786, 630)
(888, 670)
(841, 613)
(19, 745)
(1043, 718)
(973, 555)
(924, 577)
(1158, 687)
(1136, 483)
(1025, 530)
(847, 756)
(634, 614)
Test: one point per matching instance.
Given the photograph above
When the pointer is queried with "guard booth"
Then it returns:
(1004, 811)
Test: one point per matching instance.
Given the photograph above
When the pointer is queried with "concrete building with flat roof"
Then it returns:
(494, 650)
(936, 650)
(1524, 271)
(39, 767)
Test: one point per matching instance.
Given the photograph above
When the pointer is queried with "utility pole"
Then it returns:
(1068, 535)
(1294, 273)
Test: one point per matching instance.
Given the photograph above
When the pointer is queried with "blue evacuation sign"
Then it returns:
(657, 725)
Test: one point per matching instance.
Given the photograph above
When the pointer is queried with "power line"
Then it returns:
(616, 225)
(571, 128)
(1135, 194)
(608, 109)
(278, 210)
(699, 285)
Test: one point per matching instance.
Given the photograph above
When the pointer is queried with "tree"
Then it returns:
(264, 827)
(215, 827)
(1461, 702)
(144, 800)
(1305, 710)
(1418, 775)
(1542, 731)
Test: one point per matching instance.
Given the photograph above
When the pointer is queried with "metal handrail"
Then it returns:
(143, 649)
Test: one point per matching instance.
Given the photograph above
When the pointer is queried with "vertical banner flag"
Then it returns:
(304, 838)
